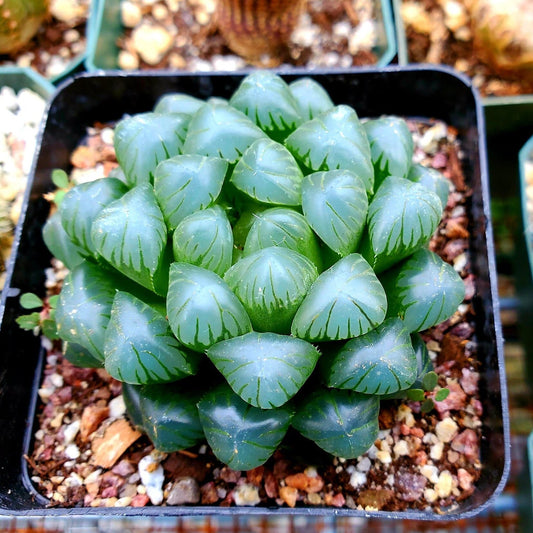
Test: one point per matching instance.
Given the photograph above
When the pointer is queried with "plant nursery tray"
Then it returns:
(412, 91)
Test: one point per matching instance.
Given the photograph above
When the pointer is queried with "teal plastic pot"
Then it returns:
(105, 28)
(20, 78)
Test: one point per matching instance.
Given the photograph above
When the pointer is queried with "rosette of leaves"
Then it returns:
(233, 246)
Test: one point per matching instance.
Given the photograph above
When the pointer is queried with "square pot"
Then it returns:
(106, 28)
(410, 92)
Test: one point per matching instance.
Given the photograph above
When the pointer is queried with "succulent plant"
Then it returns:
(248, 276)
(258, 31)
(19, 22)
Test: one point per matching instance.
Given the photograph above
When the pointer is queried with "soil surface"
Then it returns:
(421, 460)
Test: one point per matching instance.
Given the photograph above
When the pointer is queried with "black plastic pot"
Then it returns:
(407, 91)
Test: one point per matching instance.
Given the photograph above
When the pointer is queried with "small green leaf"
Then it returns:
(427, 406)
(381, 361)
(280, 226)
(423, 290)
(416, 395)
(335, 205)
(167, 413)
(391, 145)
(29, 322)
(335, 139)
(268, 173)
(60, 178)
(218, 130)
(188, 183)
(205, 239)
(311, 98)
(402, 217)
(345, 301)
(52, 301)
(139, 346)
(143, 140)
(441, 394)
(430, 381)
(240, 435)
(266, 99)
(343, 423)
(264, 369)
(49, 328)
(271, 284)
(130, 233)
(28, 300)
(201, 308)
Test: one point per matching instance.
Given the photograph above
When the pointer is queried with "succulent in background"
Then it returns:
(242, 283)
(502, 34)
(19, 22)
(258, 30)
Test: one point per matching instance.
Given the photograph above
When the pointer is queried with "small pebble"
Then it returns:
(152, 477)
(246, 494)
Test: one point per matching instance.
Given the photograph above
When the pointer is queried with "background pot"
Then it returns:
(106, 28)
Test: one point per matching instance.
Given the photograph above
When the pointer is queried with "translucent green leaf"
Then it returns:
(311, 98)
(59, 243)
(381, 361)
(218, 130)
(240, 435)
(167, 413)
(84, 307)
(268, 173)
(201, 308)
(335, 205)
(49, 328)
(333, 140)
(391, 145)
(266, 99)
(143, 140)
(139, 346)
(178, 103)
(402, 217)
(131, 235)
(205, 239)
(79, 356)
(345, 301)
(271, 283)
(432, 179)
(264, 369)
(82, 204)
(423, 290)
(187, 183)
(280, 226)
(343, 423)
(29, 300)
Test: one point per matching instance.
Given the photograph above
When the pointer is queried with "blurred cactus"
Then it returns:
(258, 30)
(502, 34)
(19, 22)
